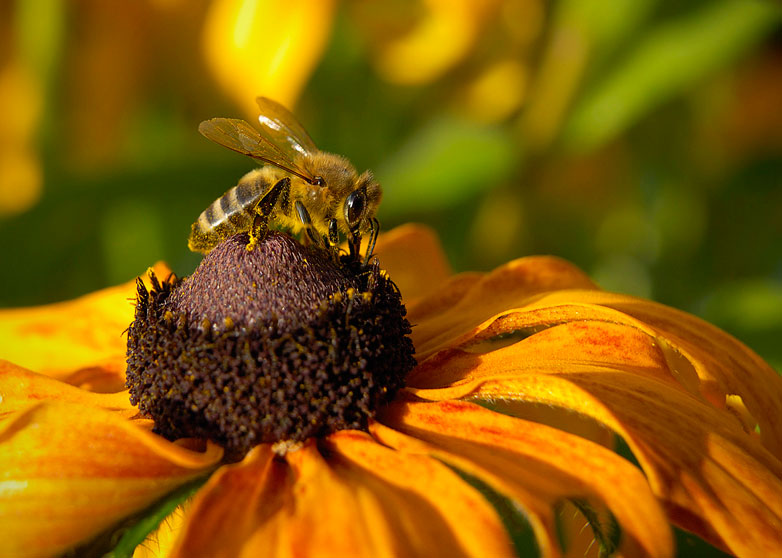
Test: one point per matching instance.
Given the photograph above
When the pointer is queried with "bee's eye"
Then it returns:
(354, 208)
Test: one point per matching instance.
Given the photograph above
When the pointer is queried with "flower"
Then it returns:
(265, 46)
(509, 364)
(476, 53)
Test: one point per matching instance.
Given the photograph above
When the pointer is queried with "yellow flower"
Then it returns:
(265, 47)
(698, 409)
(476, 50)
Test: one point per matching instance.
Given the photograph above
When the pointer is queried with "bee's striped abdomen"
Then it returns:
(232, 205)
(231, 213)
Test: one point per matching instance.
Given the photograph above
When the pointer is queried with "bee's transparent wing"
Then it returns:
(239, 136)
(280, 127)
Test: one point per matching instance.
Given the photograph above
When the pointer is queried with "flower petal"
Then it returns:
(656, 340)
(535, 464)
(59, 339)
(711, 473)
(422, 508)
(414, 259)
(479, 298)
(724, 366)
(349, 497)
(553, 344)
(68, 472)
(238, 501)
(21, 389)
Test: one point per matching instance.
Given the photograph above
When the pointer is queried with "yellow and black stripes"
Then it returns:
(227, 215)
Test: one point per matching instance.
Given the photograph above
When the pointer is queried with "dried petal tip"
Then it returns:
(274, 344)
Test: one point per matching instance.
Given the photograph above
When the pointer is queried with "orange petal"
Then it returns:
(514, 285)
(21, 389)
(69, 472)
(724, 366)
(535, 464)
(250, 497)
(106, 377)
(647, 338)
(553, 345)
(700, 461)
(414, 259)
(351, 497)
(59, 339)
(415, 506)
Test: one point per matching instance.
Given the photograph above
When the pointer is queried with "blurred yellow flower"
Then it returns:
(485, 42)
(265, 47)
(20, 93)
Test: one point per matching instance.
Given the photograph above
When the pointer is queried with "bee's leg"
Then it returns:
(333, 233)
(306, 220)
(374, 230)
(263, 210)
(332, 240)
(354, 245)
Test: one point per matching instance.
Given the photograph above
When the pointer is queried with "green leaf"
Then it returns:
(519, 530)
(446, 162)
(668, 60)
(151, 520)
(606, 530)
(605, 26)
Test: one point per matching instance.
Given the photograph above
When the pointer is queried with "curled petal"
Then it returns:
(68, 472)
(414, 259)
(535, 464)
(241, 501)
(21, 389)
(549, 341)
(422, 508)
(724, 366)
(62, 338)
(647, 338)
(349, 497)
(710, 472)
(104, 377)
(473, 301)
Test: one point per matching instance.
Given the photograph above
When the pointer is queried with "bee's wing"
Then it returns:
(239, 136)
(281, 128)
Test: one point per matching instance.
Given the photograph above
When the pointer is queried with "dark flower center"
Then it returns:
(273, 345)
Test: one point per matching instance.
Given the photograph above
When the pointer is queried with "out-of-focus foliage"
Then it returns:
(640, 139)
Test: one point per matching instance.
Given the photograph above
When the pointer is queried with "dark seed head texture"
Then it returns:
(280, 343)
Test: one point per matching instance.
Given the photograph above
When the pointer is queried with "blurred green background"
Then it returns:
(640, 139)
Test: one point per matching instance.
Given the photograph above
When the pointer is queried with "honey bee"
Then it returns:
(299, 187)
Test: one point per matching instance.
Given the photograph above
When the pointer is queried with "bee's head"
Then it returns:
(361, 204)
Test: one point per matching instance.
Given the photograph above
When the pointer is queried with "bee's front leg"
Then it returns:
(354, 246)
(333, 233)
(306, 220)
(263, 211)
(332, 240)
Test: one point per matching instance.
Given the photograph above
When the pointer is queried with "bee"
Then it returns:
(299, 187)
